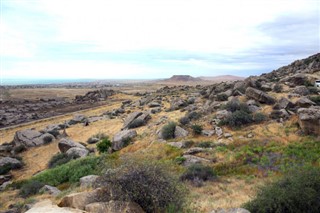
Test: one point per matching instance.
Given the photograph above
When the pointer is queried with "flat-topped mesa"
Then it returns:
(183, 78)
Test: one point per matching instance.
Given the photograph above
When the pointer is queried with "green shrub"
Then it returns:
(238, 119)
(180, 160)
(296, 192)
(205, 144)
(148, 184)
(136, 123)
(70, 172)
(233, 106)
(222, 97)
(315, 99)
(197, 172)
(259, 117)
(197, 129)
(194, 115)
(30, 188)
(277, 88)
(104, 145)
(184, 120)
(168, 130)
(59, 159)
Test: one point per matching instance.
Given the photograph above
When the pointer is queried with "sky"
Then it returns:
(147, 39)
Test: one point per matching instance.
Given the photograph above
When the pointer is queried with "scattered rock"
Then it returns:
(219, 131)
(120, 139)
(50, 190)
(48, 207)
(191, 159)
(87, 181)
(301, 90)
(309, 120)
(194, 150)
(222, 114)
(259, 96)
(28, 138)
(12, 162)
(180, 132)
(234, 210)
(77, 151)
(66, 144)
(207, 133)
(305, 102)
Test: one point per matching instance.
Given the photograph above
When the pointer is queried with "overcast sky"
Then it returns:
(154, 38)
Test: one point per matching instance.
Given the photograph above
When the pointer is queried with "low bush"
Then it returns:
(298, 191)
(148, 184)
(136, 123)
(194, 115)
(222, 97)
(233, 106)
(315, 99)
(277, 88)
(205, 144)
(184, 121)
(238, 118)
(70, 172)
(31, 187)
(96, 137)
(197, 129)
(168, 130)
(104, 145)
(59, 159)
(198, 172)
(259, 117)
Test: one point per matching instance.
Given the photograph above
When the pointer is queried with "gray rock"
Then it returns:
(227, 135)
(191, 159)
(132, 120)
(301, 90)
(5, 178)
(178, 145)
(77, 119)
(207, 133)
(194, 150)
(77, 151)
(260, 96)
(180, 132)
(154, 104)
(234, 210)
(88, 181)
(309, 120)
(12, 162)
(305, 102)
(219, 131)
(50, 190)
(119, 139)
(4, 185)
(47, 207)
(28, 138)
(222, 114)
(177, 103)
(66, 144)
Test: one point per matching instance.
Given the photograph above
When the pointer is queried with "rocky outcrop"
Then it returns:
(260, 96)
(10, 162)
(48, 207)
(136, 119)
(66, 144)
(94, 96)
(78, 152)
(180, 132)
(120, 139)
(30, 138)
(309, 120)
(50, 190)
(304, 102)
(114, 207)
(88, 181)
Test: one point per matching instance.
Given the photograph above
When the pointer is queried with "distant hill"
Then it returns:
(184, 78)
(221, 78)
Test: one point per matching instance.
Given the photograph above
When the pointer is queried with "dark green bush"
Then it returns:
(205, 144)
(315, 99)
(168, 130)
(149, 184)
(197, 129)
(298, 191)
(136, 123)
(70, 172)
(277, 88)
(238, 118)
(198, 172)
(31, 187)
(259, 117)
(184, 120)
(233, 106)
(59, 159)
(104, 145)
(222, 97)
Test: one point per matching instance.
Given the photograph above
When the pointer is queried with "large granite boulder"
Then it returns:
(180, 132)
(114, 207)
(121, 138)
(260, 96)
(66, 144)
(77, 151)
(30, 138)
(136, 119)
(309, 120)
(305, 102)
(11, 162)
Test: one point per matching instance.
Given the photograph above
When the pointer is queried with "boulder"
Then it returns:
(305, 102)
(136, 119)
(131, 117)
(178, 145)
(154, 104)
(284, 103)
(66, 144)
(222, 114)
(301, 90)
(218, 131)
(207, 133)
(50, 190)
(296, 79)
(114, 207)
(77, 151)
(28, 138)
(120, 139)
(177, 103)
(48, 207)
(260, 96)
(88, 181)
(191, 159)
(12, 162)
(77, 119)
(180, 132)
(5, 178)
(309, 120)
(81, 199)
(194, 150)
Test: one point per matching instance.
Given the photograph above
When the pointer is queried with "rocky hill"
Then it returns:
(182, 78)
(220, 142)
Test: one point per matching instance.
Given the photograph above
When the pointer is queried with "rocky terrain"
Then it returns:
(247, 132)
